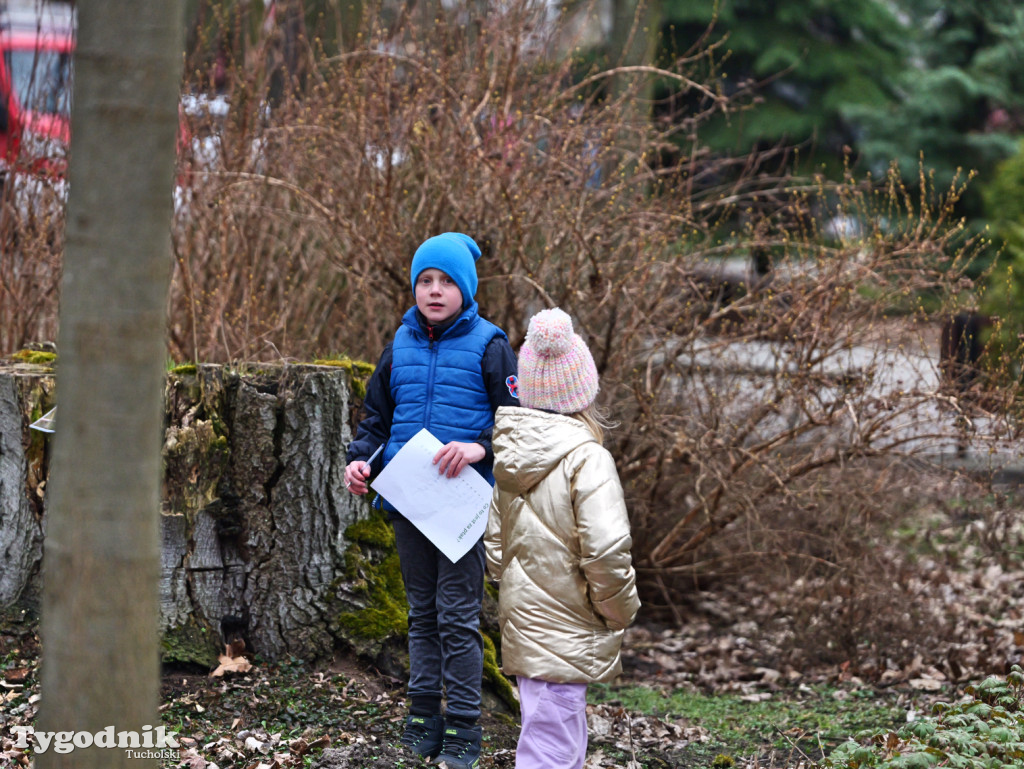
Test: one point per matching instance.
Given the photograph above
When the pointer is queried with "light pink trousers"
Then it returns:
(554, 731)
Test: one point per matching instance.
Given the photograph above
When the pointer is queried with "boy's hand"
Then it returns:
(454, 456)
(356, 473)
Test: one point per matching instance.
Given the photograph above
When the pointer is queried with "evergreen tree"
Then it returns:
(808, 61)
(958, 105)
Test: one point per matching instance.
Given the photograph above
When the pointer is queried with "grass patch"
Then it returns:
(809, 720)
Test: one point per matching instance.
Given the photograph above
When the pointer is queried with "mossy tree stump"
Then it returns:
(26, 392)
(254, 506)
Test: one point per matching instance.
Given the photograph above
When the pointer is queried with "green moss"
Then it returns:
(359, 368)
(353, 560)
(36, 357)
(372, 569)
(360, 371)
(185, 369)
(374, 531)
(189, 643)
(386, 612)
(493, 675)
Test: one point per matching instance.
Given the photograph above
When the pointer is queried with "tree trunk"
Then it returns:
(634, 41)
(23, 466)
(254, 510)
(100, 601)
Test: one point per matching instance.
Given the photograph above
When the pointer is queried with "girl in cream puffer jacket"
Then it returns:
(558, 543)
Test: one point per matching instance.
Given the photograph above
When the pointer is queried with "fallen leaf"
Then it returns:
(231, 665)
(16, 675)
(926, 684)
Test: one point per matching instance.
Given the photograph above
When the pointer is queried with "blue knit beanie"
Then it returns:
(453, 253)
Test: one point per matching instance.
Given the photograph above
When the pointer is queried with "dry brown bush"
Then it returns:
(31, 246)
(749, 407)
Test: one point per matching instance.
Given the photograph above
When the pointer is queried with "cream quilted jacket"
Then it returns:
(558, 543)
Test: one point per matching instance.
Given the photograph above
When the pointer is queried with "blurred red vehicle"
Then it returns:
(36, 45)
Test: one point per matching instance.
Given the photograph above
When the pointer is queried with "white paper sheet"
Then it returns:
(47, 423)
(451, 512)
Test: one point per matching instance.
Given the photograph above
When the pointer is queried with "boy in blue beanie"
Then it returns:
(447, 369)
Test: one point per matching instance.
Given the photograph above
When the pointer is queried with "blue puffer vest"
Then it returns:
(438, 384)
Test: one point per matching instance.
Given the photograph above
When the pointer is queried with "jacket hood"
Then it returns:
(529, 443)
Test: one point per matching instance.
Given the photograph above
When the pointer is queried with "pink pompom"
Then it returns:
(550, 333)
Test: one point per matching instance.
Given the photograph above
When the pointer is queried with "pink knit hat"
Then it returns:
(556, 370)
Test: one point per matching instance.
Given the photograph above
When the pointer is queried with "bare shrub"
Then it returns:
(31, 249)
(416, 133)
(841, 578)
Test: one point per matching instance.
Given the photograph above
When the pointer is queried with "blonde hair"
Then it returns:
(596, 420)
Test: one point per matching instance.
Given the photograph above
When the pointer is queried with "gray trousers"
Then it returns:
(446, 650)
